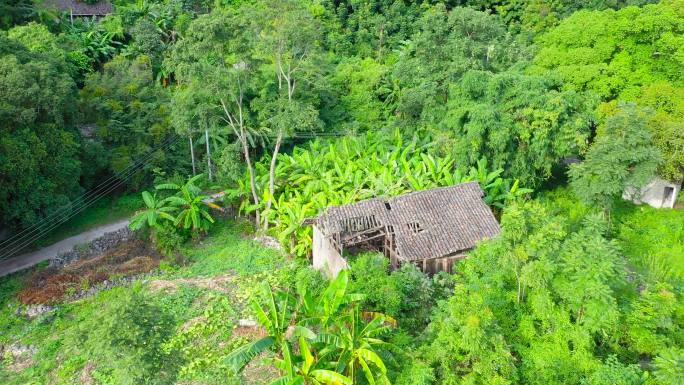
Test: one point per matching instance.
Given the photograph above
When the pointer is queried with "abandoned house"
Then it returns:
(76, 8)
(430, 228)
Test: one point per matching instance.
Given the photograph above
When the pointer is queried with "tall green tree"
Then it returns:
(538, 305)
(216, 61)
(622, 160)
(128, 113)
(634, 54)
(522, 124)
(39, 149)
(445, 46)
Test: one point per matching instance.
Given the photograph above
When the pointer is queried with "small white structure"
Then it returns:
(659, 193)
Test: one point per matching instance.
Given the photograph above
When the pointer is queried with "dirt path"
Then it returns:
(27, 260)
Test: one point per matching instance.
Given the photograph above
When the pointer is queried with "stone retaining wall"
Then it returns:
(94, 247)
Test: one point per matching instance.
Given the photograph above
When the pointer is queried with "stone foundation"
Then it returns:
(93, 248)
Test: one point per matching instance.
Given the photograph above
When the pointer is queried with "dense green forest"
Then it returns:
(289, 106)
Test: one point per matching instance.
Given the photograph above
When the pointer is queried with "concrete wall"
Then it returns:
(659, 193)
(325, 257)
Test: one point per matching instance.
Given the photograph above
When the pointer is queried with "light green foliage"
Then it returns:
(405, 294)
(614, 53)
(191, 205)
(370, 276)
(338, 343)
(37, 38)
(634, 54)
(653, 240)
(537, 293)
(616, 373)
(522, 124)
(200, 342)
(351, 169)
(622, 159)
(187, 209)
(534, 16)
(653, 324)
(155, 210)
(178, 334)
(667, 125)
(668, 367)
(126, 337)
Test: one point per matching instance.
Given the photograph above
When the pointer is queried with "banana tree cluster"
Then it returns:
(187, 208)
(350, 169)
(319, 340)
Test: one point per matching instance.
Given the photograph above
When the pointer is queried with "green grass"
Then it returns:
(228, 248)
(178, 334)
(652, 239)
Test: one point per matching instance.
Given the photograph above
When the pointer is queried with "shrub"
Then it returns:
(370, 276)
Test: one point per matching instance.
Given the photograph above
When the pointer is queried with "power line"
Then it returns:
(89, 198)
(79, 208)
(123, 177)
(85, 196)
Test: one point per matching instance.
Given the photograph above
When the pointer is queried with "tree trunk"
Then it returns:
(271, 175)
(192, 155)
(252, 183)
(206, 137)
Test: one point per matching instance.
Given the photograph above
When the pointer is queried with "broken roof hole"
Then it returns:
(415, 227)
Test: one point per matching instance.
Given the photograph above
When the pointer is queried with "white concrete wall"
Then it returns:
(659, 193)
(325, 257)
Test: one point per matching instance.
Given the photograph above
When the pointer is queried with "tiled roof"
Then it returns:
(426, 224)
(80, 8)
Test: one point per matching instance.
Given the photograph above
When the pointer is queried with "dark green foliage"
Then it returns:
(13, 12)
(445, 46)
(128, 113)
(522, 124)
(39, 165)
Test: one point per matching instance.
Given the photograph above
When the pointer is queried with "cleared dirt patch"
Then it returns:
(53, 285)
(220, 283)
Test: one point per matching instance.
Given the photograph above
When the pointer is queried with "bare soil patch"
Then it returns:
(220, 283)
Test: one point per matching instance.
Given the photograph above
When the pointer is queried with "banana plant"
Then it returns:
(191, 205)
(155, 212)
(275, 316)
(347, 170)
(305, 369)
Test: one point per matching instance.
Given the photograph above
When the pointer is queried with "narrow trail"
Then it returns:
(32, 258)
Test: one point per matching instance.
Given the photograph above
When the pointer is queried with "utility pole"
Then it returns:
(192, 155)
(206, 133)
